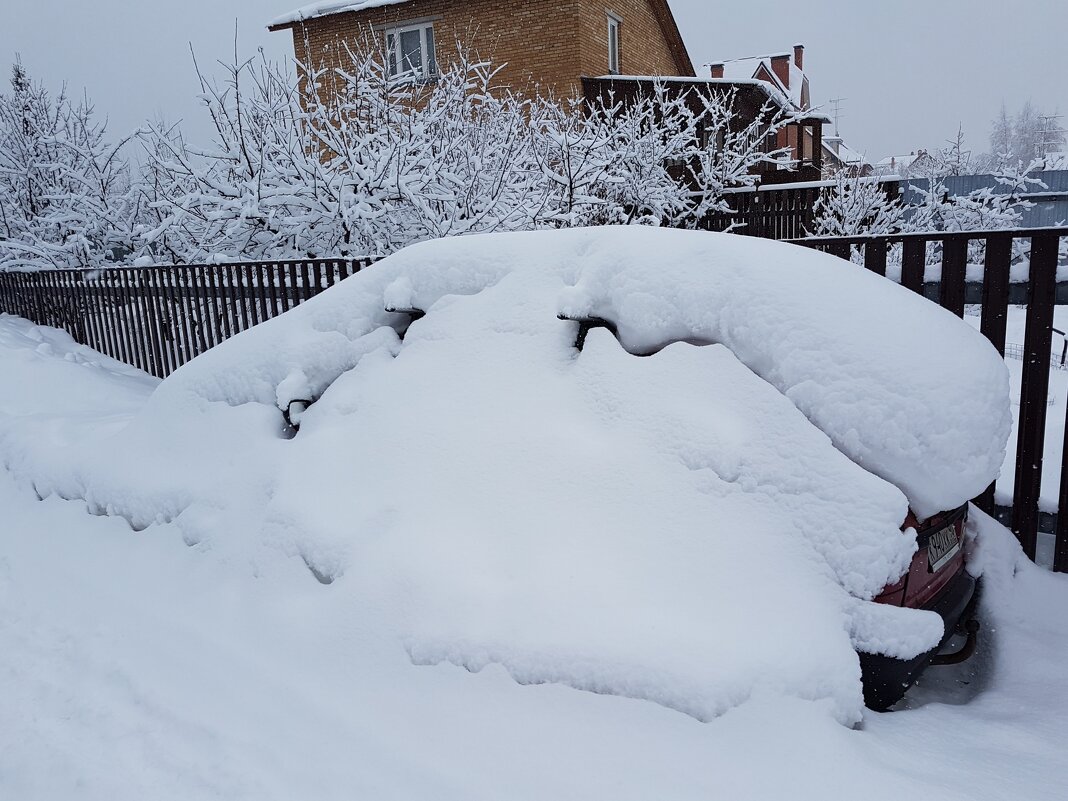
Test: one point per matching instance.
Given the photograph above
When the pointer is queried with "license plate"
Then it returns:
(941, 547)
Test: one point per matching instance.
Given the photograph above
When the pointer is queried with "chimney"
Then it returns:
(717, 70)
(780, 65)
(799, 56)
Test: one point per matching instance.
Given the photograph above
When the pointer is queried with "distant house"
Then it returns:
(838, 157)
(909, 165)
(751, 101)
(544, 45)
(785, 74)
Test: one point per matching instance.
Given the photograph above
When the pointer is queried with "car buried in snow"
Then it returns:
(936, 580)
(681, 467)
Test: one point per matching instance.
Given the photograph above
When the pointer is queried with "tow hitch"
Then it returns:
(971, 630)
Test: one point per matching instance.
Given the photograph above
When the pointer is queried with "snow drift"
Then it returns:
(671, 528)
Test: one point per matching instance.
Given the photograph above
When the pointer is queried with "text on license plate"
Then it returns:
(941, 547)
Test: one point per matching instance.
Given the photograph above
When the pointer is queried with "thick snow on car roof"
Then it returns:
(670, 527)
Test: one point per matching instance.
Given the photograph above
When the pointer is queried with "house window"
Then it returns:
(613, 44)
(410, 52)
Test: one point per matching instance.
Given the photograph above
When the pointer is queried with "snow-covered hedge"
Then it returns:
(350, 161)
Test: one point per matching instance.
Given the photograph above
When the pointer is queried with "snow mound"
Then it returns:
(669, 527)
(44, 373)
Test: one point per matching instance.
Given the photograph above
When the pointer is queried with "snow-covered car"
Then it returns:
(936, 580)
(660, 464)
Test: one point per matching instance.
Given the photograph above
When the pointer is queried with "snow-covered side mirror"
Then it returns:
(294, 411)
(293, 397)
(585, 324)
(412, 313)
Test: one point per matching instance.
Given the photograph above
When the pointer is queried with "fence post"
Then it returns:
(1034, 390)
(1060, 545)
(875, 256)
(954, 270)
(995, 309)
(913, 263)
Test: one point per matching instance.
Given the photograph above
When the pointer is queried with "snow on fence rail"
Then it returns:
(951, 291)
(158, 318)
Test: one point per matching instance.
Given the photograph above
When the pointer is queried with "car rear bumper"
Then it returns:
(885, 678)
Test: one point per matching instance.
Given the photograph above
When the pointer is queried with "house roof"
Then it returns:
(901, 165)
(670, 28)
(661, 10)
(748, 68)
(325, 8)
(773, 93)
(844, 152)
(900, 161)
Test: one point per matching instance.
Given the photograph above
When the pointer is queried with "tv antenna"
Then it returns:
(1051, 135)
(836, 105)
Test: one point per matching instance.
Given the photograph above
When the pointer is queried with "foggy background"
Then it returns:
(910, 71)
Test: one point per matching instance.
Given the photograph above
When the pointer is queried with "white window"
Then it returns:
(410, 51)
(613, 44)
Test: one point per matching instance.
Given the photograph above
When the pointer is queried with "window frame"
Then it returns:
(615, 24)
(428, 69)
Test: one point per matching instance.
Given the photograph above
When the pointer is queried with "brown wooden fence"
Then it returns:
(775, 212)
(158, 318)
(1040, 293)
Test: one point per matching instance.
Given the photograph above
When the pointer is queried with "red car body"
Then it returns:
(936, 581)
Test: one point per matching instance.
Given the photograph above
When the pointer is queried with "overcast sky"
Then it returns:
(910, 70)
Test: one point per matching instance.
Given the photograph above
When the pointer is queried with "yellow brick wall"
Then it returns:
(545, 45)
(643, 49)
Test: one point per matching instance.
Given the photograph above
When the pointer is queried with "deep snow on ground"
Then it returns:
(133, 666)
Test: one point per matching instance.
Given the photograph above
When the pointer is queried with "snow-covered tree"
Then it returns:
(853, 206)
(364, 167)
(350, 160)
(728, 154)
(1025, 138)
(609, 162)
(985, 208)
(65, 197)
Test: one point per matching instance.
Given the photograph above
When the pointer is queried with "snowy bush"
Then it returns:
(351, 161)
(854, 206)
(65, 194)
(981, 209)
(358, 162)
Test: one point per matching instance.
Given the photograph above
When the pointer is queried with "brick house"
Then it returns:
(566, 48)
(544, 45)
(785, 72)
